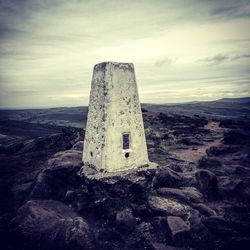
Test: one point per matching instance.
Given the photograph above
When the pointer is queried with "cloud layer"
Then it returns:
(182, 50)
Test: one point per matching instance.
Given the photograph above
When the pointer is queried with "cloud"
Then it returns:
(165, 61)
(221, 58)
(232, 9)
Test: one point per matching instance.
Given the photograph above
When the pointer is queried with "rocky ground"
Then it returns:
(197, 198)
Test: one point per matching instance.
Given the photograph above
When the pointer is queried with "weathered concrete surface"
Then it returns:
(114, 110)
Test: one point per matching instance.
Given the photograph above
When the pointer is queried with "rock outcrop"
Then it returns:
(48, 224)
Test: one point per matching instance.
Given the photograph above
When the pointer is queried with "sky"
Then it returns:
(182, 50)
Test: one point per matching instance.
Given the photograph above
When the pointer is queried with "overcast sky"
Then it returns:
(182, 50)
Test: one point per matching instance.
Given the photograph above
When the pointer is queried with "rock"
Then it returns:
(230, 187)
(207, 182)
(165, 177)
(172, 193)
(161, 246)
(163, 206)
(141, 211)
(144, 233)
(124, 185)
(50, 224)
(186, 194)
(241, 243)
(59, 176)
(70, 158)
(78, 146)
(190, 141)
(188, 179)
(125, 221)
(244, 191)
(236, 137)
(204, 209)
(199, 236)
(220, 227)
(107, 234)
(70, 196)
(210, 163)
(159, 224)
(192, 194)
(177, 228)
(221, 150)
(195, 221)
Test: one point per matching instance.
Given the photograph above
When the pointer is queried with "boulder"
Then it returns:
(220, 227)
(207, 182)
(165, 177)
(163, 206)
(50, 224)
(118, 187)
(241, 243)
(172, 193)
(70, 158)
(209, 163)
(78, 146)
(204, 209)
(230, 187)
(192, 194)
(59, 176)
(125, 221)
(161, 246)
(178, 228)
(195, 221)
(185, 194)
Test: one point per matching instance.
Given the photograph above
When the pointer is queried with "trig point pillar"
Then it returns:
(114, 138)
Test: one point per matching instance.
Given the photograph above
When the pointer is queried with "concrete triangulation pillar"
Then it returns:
(115, 137)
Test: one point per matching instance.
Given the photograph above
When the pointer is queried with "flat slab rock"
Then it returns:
(133, 175)
(165, 206)
(184, 194)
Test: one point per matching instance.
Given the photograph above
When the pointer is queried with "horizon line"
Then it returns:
(143, 103)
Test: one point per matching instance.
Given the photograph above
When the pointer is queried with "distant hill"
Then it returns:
(73, 117)
(226, 108)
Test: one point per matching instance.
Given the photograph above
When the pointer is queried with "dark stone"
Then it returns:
(108, 234)
(186, 194)
(59, 176)
(190, 141)
(125, 221)
(50, 224)
(78, 146)
(163, 206)
(236, 137)
(222, 150)
(241, 243)
(207, 182)
(220, 227)
(165, 177)
(195, 221)
(114, 191)
(230, 187)
(161, 246)
(159, 224)
(178, 228)
(210, 163)
(173, 193)
(204, 209)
